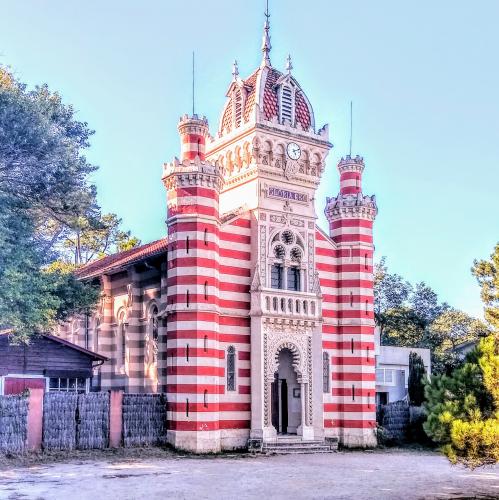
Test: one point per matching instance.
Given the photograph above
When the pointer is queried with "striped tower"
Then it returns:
(194, 370)
(351, 216)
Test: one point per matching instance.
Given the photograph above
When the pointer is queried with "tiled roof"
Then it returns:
(302, 111)
(270, 101)
(250, 82)
(122, 258)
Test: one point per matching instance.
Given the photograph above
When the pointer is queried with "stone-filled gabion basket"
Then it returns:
(394, 418)
(59, 420)
(92, 419)
(144, 419)
(13, 424)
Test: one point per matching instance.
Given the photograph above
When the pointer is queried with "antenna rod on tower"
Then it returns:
(193, 110)
(351, 128)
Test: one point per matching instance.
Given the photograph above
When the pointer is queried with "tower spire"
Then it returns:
(266, 38)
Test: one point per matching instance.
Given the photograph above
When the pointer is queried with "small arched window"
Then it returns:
(325, 372)
(96, 333)
(205, 290)
(205, 399)
(153, 319)
(187, 352)
(231, 368)
(121, 344)
(187, 298)
(205, 343)
(206, 236)
(187, 244)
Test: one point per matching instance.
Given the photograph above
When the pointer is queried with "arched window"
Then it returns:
(206, 236)
(205, 343)
(187, 298)
(231, 368)
(205, 290)
(96, 333)
(286, 107)
(121, 341)
(154, 329)
(205, 399)
(276, 276)
(294, 279)
(187, 244)
(325, 372)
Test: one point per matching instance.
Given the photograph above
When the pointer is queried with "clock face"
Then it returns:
(294, 151)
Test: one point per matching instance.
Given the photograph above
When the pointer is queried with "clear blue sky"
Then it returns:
(423, 76)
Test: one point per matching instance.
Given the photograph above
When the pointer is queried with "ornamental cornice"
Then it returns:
(251, 172)
(289, 325)
(194, 173)
(350, 167)
(351, 206)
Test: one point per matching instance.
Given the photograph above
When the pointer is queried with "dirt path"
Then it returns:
(360, 475)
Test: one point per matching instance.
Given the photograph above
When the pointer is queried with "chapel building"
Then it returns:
(253, 321)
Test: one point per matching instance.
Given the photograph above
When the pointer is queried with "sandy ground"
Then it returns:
(390, 474)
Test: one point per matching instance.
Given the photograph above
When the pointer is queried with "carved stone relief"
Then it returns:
(263, 253)
(299, 342)
(311, 264)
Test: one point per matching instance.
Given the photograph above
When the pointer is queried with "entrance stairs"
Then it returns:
(286, 445)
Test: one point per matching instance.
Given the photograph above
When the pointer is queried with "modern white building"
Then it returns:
(392, 370)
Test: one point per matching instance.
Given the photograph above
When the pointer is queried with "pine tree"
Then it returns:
(463, 408)
(417, 375)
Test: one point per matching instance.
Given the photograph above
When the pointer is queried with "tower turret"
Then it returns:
(351, 170)
(193, 132)
(351, 216)
(194, 375)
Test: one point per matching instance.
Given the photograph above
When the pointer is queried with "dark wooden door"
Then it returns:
(284, 406)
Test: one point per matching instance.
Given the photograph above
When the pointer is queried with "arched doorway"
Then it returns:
(286, 397)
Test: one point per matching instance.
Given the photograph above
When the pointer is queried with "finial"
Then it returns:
(235, 70)
(266, 38)
(289, 64)
(351, 128)
(193, 95)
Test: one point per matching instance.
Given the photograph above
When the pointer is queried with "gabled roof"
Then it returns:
(121, 259)
(70, 345)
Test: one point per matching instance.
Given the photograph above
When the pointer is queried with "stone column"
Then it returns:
(107, 338)
(135, 335)
(35, 419)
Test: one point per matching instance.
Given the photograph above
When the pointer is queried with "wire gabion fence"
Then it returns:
(13, 424)
(144, 419)
(59, 420)
(92, 429)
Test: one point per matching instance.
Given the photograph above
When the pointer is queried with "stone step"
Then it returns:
(296, 449)
(289, 446)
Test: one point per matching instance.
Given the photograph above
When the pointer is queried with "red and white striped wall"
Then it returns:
(344, 261)
(195, 372)
(193, 131)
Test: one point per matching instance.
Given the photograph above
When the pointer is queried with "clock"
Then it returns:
(293, 150)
